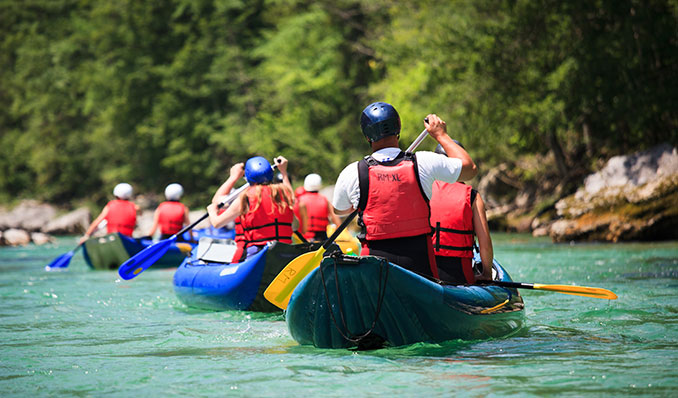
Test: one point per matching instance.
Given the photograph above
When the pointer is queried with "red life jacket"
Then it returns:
(452, 219)
(171, 216)
(121, 217)
(317, 210)
(392, 202)
(266, 223)
(239, 241)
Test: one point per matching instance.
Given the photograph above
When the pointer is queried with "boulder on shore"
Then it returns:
(72, 223)
(633, 197)
(16, 237)
(29, 215)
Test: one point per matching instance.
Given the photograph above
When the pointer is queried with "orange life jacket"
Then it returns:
(121, 217)
(171, 216)
(266, 223)
(317, 210)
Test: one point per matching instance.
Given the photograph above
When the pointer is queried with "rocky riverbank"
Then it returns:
(632, 197)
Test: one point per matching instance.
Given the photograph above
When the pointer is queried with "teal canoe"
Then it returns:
(350, 297)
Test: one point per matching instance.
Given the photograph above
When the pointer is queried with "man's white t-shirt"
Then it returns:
(432, 167)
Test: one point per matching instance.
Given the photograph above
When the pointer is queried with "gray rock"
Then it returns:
(144, 222)
(29, 215)
(40, 239)
(74, 222)
(16, 237)
(633, 197)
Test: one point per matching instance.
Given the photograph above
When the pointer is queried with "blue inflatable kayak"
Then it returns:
(347, 298)
(205, 282)
(109, 251)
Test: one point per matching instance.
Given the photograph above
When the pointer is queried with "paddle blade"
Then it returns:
(60, 262)
(280, 290)
(145, 258)
(595, 292)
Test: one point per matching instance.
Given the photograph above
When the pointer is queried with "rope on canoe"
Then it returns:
(362, 340)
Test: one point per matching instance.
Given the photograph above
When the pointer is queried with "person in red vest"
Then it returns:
(457, 214)
(315, 210)
(391, 189)
(264, 209)
(171, 215)
(120, 214)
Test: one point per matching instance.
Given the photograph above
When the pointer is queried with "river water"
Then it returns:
(88, 333)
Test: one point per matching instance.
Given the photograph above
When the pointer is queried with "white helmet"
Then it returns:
(174, 191)
(123, 191)
(312, 183)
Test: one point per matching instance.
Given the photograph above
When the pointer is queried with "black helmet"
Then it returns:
(440, 150)
(379, 120)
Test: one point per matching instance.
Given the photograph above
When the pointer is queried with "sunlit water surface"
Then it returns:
(88, 333)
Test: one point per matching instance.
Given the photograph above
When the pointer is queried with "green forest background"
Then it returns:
(93, 93)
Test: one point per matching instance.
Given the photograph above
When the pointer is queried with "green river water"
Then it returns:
(88, 333)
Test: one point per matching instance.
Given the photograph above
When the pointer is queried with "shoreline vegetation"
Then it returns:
(631, 198)
(543, 94)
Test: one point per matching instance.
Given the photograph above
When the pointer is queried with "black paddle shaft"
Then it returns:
(515, 285)
(339, 230)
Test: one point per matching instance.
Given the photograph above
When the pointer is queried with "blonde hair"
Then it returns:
(281, 195)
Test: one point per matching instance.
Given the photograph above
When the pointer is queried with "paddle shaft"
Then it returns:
(417, 141)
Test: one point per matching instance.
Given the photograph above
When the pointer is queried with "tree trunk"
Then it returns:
(558, 154)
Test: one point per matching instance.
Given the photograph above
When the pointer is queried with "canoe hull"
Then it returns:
(237, 286)
(413, 309)
(109, 251)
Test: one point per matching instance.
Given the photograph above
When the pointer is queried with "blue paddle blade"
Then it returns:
(145, 258)
(61, 262)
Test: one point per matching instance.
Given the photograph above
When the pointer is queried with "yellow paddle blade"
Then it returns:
(578, 291)
(280, 290)
(185, 248)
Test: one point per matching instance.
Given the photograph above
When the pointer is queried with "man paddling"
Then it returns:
(392, 188)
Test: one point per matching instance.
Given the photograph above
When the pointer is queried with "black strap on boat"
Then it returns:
(365, 341)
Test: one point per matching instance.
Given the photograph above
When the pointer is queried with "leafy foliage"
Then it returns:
(94, 93)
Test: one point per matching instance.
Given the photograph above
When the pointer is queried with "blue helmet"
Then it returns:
(379, 120)
(258, 170)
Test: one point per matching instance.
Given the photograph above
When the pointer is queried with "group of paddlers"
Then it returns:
(412, 208)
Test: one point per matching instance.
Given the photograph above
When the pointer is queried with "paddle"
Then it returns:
(63, 260)
(280, 290)
(147, 257)
(585, 291)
